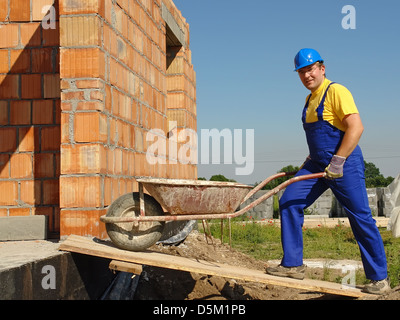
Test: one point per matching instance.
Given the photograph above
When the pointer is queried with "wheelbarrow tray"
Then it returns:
(186, 197)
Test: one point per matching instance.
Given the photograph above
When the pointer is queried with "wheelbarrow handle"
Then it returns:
(266, 181)
(277, 189)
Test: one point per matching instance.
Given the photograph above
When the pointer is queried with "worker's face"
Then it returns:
(312, 76)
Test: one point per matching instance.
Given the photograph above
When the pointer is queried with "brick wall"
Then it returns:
(90, 91)
(29, 112)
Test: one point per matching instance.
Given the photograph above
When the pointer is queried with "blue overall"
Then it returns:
(323, 141)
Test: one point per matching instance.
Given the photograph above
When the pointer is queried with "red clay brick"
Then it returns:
(42, 111)
(30, 34)
(20, 10)
(3, 113)
(8, 193)
(4, 166)
(83, 158)
(21, 165)
(9, 86)
(4, 63)
(51, 37)
(89, 84)
(28, 137)
(90, 127)
(80, 192)
(58, 111)
(82, 6)
(97, 95)
(82, 222)
(42, 60)
(3, 10)
(20, 61)
(51, 137)
(90, 105)
(72, 95)
(65, 84)
(31, 86)
(65, 134)
(51, 86)
(57, 62)
(80, 31)
(43, 165)
(51, 192)
(37, 8)
(80, 63)
(107, 191)
(20, 212)
(66, 106)
(56, 221)
(30, 191)
(8, 139)
(9, 36)
(20, 112)
(58, 164)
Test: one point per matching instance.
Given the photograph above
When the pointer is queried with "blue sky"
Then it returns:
(243, 51)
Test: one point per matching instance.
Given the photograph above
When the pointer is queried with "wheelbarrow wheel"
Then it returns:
(131, 236)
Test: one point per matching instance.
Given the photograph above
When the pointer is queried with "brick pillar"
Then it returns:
(29, 110)
(113, 93)
(83, 118)
(181, 103)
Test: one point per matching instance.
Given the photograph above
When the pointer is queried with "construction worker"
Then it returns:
(333, 129)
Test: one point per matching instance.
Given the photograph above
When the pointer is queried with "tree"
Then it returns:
(220, 177)
(373, 177)
(278, 181)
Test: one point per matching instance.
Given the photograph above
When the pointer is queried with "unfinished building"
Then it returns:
(82, 83)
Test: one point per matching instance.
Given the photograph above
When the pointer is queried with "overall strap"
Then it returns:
(321, 107)
(305, 109)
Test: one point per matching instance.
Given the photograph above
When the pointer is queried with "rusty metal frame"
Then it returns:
(207, 231)
(141, 201)
(207, 216)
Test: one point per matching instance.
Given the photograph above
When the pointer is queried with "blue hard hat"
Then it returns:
(306, 57)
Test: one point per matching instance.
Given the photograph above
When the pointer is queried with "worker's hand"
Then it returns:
(307, 159)
(335, 169)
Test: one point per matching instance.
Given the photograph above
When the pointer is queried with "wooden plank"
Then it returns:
(126, 267)
(105, 249)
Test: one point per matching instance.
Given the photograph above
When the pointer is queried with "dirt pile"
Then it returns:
(159, 283)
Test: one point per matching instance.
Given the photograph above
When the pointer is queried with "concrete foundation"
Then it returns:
(37, 270)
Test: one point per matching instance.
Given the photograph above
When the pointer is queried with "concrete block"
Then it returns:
(385, 205)
(264, 210)
(23, 228)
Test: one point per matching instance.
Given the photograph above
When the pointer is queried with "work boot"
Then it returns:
(379, 287)
(290, 272)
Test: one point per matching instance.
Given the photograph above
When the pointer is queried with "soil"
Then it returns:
(164, 284)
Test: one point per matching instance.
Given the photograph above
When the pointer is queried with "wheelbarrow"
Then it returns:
(135, 221)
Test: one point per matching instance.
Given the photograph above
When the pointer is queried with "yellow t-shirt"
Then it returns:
(339, 103)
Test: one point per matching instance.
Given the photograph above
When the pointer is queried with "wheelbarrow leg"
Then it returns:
(230, 233)
(222, 231)
(229, 230)
(141, 200)
(207, 231)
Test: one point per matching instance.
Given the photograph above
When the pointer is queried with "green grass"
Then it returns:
(263, 242)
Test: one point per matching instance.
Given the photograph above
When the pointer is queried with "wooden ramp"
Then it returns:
(105, 249)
